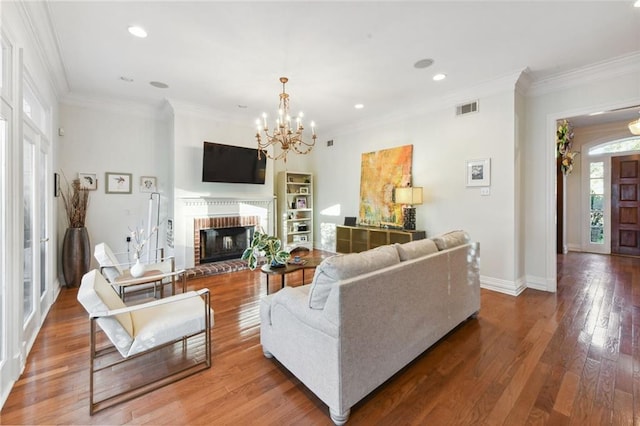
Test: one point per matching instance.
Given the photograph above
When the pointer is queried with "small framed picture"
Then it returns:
(479, 172)
(56, 185)
(148, 184)
(304, 190)
(117, 183)
(301, 202)
(303, 238)
(88, 181)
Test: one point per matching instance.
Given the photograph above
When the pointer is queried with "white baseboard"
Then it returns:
(500, 285)
(536, 283)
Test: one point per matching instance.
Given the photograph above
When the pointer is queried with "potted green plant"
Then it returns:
(268, 246)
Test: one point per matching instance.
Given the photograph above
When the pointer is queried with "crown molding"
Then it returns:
(502, 83)
(36, 18)
(205, 112)
(609, 69)
(119, 106)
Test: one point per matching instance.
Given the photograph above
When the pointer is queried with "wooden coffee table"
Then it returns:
(289, 268)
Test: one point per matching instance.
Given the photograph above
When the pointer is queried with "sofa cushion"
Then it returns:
(415, 249)
(451, 239)
(345, 266)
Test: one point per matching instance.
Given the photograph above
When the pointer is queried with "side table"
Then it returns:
(151, 276)
(289, 268)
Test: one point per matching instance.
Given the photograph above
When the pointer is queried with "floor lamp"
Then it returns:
(409, 196)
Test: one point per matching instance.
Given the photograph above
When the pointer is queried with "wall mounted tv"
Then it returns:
(232, 164)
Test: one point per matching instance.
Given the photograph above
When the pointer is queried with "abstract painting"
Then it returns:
(383, 171)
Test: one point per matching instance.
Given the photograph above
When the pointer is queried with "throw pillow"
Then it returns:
(451, 239)
(415, 249)
(345, 266)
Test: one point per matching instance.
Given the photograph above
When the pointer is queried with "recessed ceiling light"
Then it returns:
(423, 63)
(358, 106)
(599, 112)
(439, 77)
(159, 84)
(637, 3)
(127, 79)
(137, 31)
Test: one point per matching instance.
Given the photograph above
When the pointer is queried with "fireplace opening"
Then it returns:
(224, 243)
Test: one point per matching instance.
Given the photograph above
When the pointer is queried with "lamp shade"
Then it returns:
(634, 127)
(409, 195)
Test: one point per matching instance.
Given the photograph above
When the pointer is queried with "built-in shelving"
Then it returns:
(295, 209)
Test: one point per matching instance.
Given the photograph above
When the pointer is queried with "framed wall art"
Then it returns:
(148, 184)
(88, 181)
(479, 172)
(117, 183)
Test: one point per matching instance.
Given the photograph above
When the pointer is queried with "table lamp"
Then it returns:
(409, 196)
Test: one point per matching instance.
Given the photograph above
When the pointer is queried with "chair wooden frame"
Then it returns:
(189, 369)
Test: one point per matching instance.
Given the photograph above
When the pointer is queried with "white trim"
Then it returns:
(622, 65)
(549, 217)
(118, 106)
(502, 286)
(536, 283)
(36, 18)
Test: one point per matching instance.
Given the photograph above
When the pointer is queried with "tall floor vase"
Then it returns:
(76, 255)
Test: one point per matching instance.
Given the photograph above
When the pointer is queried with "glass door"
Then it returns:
(29, 289)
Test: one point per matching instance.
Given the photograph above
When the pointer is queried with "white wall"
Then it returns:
(581, 93)
(100, 138)
(442, 143)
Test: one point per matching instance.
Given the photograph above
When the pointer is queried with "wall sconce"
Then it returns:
(409, 196)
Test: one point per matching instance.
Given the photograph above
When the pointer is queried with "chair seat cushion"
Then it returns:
(164, 323)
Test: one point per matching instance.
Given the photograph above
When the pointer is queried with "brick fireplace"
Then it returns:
(221, 238)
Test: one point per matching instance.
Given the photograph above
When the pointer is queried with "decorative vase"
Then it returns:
(137, 270)
(76, 255)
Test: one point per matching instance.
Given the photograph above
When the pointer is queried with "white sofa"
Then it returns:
(367, 315)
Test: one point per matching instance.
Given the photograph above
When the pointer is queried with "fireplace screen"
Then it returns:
(224, 243)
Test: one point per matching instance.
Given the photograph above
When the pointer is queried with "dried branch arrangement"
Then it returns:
(76, 201)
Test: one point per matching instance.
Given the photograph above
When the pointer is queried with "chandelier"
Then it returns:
(285, 135)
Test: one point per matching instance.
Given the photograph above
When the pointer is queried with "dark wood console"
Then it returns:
(354, 239)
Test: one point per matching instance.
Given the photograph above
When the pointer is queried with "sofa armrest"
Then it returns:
(295, 302)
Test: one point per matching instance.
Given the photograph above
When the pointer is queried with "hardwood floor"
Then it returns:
(568, 358)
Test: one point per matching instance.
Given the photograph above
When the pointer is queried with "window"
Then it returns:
(596, 202)
(617, 146)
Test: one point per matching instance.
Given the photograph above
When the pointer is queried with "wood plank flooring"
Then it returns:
(570, 358)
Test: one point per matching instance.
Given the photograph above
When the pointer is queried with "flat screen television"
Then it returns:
(232, 164)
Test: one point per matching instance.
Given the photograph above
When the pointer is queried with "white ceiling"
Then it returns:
(223, 55)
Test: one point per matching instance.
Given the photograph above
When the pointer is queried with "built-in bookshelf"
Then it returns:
(295, 209)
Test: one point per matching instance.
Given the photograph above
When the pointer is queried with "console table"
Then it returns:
(354, 239)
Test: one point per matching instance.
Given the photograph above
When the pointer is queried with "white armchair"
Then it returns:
(117, 273)
(138, 330)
